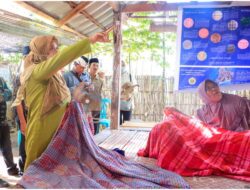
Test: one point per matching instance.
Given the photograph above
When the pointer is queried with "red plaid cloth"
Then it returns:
(189, 147)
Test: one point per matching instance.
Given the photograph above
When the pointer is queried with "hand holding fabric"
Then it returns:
(89, 87)
(80, 94)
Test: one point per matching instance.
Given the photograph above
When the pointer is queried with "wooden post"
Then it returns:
(116, 86)
(164, 68)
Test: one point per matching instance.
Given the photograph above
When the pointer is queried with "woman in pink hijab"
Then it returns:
(223, 110)
(208, 145)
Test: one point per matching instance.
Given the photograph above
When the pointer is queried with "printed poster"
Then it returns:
(215, 44)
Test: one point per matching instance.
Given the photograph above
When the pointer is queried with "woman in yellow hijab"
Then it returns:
(45, 92)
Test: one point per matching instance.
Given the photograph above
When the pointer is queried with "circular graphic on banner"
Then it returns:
(203, 33)
(215, 38)
(188, 22)
(202, 55)
(217, 15)
(243, 44)
(230, 48)
(187, 44)
(192, 80)
(232, 25)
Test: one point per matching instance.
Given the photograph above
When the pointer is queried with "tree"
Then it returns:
(13, 58)
(138, 39)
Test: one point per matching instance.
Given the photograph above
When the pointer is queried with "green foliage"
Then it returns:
(138, 40)
(1, 58)
(13, 58)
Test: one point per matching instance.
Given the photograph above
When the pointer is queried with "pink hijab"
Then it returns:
(232, 112)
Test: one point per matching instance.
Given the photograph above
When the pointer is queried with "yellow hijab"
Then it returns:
(57, 91)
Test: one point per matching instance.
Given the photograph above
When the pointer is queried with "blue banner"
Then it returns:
(191, 77)
(218, 39)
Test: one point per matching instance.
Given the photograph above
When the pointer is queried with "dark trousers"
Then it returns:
(125, 116)
(5, 145)
(22, 152)
(96, 118)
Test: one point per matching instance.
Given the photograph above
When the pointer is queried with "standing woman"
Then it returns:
(45, 91)
(126, 105)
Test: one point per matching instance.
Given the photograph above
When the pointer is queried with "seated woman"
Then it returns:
(191, 147)
(223, 110)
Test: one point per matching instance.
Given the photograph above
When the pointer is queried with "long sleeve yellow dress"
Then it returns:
(40, 130)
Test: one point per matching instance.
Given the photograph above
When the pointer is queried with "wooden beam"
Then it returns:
(163, 27)
(132, 8)
(37, 11)
(109, 29)
(163, 6)
(72, 13)
(116, 86)
(149, 17)
(88, 16)
(153, 17)
(114, 5)
(92, 19)
(131, 124)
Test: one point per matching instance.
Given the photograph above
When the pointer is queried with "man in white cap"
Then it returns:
(76, 77)
(77, 74)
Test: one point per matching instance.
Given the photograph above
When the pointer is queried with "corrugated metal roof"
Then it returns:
(56, 9)
(85, 18)
(74, 19)
(17, 31)
(96, 16)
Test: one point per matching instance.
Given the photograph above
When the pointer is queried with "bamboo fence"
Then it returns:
(151, 98)
(153, 95)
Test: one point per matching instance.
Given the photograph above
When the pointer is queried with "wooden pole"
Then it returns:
(116, 86)
(163, 68)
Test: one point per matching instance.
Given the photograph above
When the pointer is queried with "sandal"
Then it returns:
(13, 171)
(4, 183)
